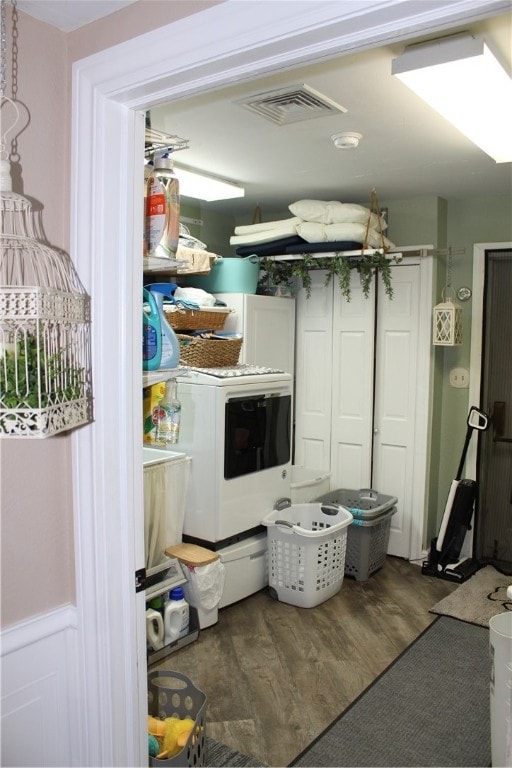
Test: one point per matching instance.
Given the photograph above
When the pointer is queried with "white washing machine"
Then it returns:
(236, 425)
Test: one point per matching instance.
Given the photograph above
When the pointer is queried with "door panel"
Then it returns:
(352, 388)
(494, 516)
(314, 375)
(395, 400)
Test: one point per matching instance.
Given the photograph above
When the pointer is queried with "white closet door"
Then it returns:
(268, 327)
(313, 375)
(396, 388)
(352, 387)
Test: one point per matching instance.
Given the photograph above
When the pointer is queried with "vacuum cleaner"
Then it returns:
(443, 559)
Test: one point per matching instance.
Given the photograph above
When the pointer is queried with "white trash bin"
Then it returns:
(205, 580)
(500, 652)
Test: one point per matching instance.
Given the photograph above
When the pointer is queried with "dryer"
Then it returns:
(236, 424)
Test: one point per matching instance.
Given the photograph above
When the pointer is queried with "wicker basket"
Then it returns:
(208, 353)
(197, 319)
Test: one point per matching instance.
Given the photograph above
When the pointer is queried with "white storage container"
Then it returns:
(245, 568)
(500, 656)
(307, 484)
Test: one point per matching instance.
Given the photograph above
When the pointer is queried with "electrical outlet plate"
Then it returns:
(459, 378)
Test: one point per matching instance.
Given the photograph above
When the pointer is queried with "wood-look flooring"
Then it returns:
(276, 675)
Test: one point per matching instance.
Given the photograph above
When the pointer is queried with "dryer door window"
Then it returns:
(257, 434)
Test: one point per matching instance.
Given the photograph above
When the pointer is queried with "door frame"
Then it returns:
(110, 92)
(475, 365)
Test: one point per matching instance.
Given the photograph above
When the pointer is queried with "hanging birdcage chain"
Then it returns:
(3, 43)
(449, 269)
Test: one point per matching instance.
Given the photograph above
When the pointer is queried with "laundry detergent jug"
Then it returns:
(151, 333)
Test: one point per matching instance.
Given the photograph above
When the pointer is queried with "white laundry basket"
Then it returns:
(306, 552)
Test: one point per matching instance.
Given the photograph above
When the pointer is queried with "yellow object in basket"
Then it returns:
(156, 727)
(176, 734)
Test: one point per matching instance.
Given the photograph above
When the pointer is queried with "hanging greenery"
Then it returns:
(338, 266)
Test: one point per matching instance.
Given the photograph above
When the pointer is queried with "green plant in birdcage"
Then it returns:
(39, 388)
(26, 366)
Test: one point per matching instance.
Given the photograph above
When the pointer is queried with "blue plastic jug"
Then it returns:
(170, 345)
(151, 334)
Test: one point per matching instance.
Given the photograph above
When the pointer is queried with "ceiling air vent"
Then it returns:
(291, 105)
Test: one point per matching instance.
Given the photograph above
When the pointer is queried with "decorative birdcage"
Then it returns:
(45, 359)
(45, 347)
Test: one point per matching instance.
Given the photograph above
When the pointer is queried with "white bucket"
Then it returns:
(500, 652)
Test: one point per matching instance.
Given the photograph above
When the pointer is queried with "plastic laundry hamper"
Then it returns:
(306, 552)
(171, 694)
(368, 535)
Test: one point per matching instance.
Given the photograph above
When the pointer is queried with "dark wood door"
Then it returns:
(494, 515)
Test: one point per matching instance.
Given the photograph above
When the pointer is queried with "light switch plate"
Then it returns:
(459, 378)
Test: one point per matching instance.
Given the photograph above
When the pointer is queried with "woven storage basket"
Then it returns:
(208, 353)
(197, 319)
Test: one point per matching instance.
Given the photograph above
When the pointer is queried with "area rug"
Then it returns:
(478, 599)
(430, 707)
(218, 754)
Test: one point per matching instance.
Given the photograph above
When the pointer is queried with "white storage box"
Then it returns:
(245, 568)
(306, 552)
(307, 484)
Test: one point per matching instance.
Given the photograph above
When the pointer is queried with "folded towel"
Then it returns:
(333, 246)
(315, 232)
(251, 229)
(267, 235)
(194, 260)
(334, 212)
(273, 248)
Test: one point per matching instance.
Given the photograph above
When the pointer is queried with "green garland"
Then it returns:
(339, 266)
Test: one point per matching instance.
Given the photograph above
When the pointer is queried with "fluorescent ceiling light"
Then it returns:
(461, 79)
(204, 187)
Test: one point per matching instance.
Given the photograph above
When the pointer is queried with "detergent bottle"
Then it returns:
(151, 334)
(170, 344)
(162, 214)
(176, 616)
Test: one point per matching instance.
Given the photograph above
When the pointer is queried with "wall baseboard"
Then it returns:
(39, 714)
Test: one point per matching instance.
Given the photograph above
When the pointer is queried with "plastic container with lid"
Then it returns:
(176, 616)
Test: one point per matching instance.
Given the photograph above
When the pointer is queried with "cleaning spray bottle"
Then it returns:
(170, 344)
(169, 416)
(151, 334)
(162, 219)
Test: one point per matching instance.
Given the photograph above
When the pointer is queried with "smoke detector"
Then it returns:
(346, 140)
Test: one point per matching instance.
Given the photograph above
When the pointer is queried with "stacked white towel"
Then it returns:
(334, 221)
(264, 232)
(318, 221)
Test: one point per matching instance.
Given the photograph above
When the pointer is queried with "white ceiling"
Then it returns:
(406, 150)
(69, 15)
